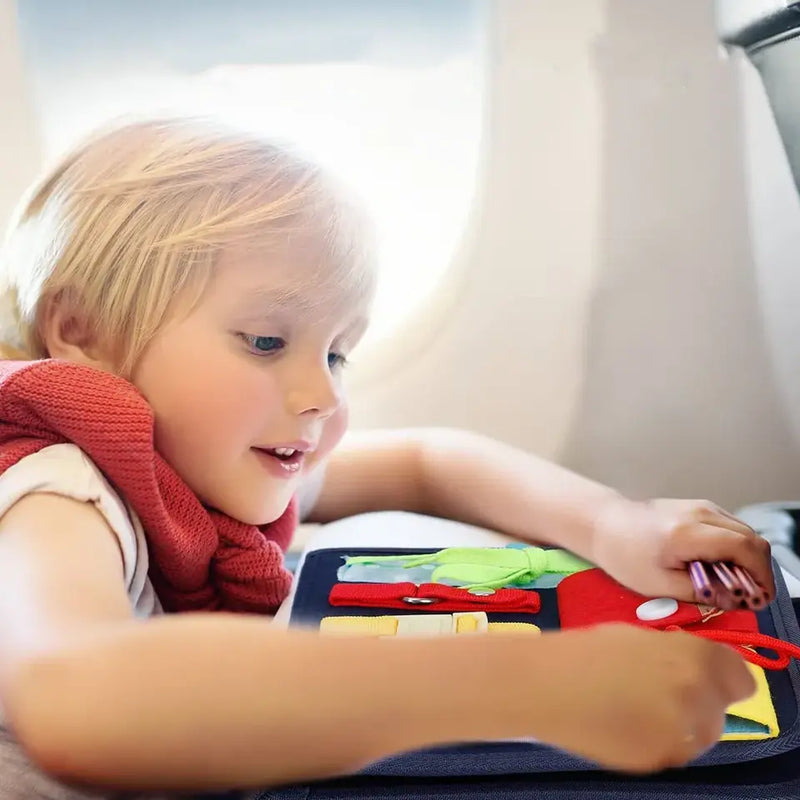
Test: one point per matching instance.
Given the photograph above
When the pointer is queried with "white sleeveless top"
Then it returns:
(64, 469)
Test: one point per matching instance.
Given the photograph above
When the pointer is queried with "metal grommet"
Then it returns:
(481, 592)
(419, 601)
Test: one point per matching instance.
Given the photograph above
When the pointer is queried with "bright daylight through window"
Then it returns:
(388, 93)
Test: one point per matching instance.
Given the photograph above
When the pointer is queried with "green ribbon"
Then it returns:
(486, 567)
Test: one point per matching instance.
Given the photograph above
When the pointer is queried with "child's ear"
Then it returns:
(67, 335)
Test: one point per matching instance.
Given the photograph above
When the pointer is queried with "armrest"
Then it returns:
(753, 23)
(769, 32)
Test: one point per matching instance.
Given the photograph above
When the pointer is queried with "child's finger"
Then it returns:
(714, 515)
(726, 601)
(711, 543)
(680, 586)
(711, 514)
(715, 585)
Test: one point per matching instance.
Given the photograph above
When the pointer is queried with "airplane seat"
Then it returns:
(768, 31)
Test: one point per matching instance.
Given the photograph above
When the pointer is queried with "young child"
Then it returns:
(179, 302)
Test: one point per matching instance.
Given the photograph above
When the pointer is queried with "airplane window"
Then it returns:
(388, 94)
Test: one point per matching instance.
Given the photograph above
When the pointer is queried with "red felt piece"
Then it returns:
(592, 597)
(442, 598)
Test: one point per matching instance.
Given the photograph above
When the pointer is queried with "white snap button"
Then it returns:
(660, 608)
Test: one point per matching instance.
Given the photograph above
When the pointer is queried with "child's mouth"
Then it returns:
(285, 460)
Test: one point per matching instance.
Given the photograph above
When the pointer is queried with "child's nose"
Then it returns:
(313, 391)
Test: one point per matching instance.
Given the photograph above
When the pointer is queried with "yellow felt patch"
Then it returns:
(756, 713)
(422, 624)
(359, 626)
(513, 627)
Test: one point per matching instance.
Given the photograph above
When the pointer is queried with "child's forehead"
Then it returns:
(258, 284)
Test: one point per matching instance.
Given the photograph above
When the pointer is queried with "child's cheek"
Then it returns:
(335, 428)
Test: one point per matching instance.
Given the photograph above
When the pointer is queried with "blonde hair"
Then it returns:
(137, 216)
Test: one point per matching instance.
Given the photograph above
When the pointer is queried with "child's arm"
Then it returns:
(202, 701)
(463, 476)
(474, 479)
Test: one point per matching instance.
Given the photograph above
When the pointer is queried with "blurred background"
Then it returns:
(587, 225)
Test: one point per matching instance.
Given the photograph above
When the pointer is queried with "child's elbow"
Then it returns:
(39, 702)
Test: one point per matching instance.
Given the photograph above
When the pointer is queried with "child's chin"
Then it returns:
(253, 514)
(263, 514)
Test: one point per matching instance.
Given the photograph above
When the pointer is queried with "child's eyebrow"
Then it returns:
(263, 301)
(292, 302)
(356, 328)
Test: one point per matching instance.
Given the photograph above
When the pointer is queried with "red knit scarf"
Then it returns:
(200, 559)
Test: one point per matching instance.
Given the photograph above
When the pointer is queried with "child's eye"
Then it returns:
(336, 360)
(263, 345)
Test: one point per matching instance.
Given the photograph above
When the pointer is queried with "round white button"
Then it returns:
(660, 608)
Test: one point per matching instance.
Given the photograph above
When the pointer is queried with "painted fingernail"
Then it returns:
(743, 604)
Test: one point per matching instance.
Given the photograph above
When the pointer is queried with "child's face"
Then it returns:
(245, 373)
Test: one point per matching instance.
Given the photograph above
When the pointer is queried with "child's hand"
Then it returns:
(648, 546)
(638, 700)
